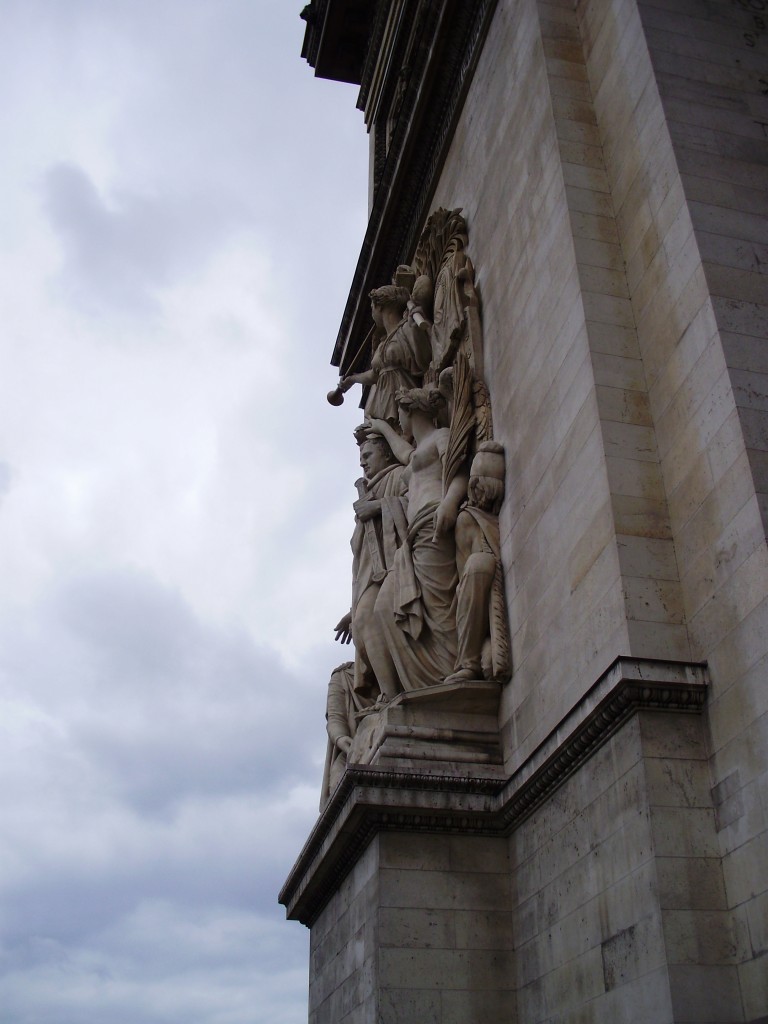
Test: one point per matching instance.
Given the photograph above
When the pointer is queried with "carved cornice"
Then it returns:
(372, 778)
(452, 33)
(336, 38)
(369, 800)
(626, 694)
(374, 45)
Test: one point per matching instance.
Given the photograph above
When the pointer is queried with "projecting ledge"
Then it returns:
(403, 791)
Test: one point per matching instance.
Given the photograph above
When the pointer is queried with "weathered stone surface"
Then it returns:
(439, 729)
(428, 601)
(609, 157)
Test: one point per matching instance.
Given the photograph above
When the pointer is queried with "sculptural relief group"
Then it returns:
(427, 603)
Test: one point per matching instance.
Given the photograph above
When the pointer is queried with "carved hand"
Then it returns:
(367, 508)
(344, 743)
(343, 628)
(374, 426)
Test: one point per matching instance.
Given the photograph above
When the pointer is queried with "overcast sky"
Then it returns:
(181, 211)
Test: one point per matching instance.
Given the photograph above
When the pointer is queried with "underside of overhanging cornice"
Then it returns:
(336, 37)
(413, 61)
(429, 72)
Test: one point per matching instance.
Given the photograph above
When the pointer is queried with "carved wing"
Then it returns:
(462, 420)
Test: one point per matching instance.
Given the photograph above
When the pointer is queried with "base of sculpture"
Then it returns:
(439, 730)
(453, 897)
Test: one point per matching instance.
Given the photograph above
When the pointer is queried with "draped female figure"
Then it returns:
(416, 606)
(401, 354)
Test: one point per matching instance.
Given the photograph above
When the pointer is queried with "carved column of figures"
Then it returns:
(427, 593)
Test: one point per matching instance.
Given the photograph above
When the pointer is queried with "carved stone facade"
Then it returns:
(548, 761)
(428, 610)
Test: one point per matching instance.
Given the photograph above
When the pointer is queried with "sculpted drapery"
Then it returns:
(428, 597)
(398, 363)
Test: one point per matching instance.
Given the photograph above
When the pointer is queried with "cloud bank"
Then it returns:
(183, 207)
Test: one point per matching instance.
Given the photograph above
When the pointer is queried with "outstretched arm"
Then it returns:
(401, 449)
(366, 377)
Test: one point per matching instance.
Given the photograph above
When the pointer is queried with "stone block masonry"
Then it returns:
(598, 851)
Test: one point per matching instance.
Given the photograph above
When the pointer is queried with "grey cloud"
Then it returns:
(177, 708)
(68, 902)
(161, 964)
(6, 477)
(119, 251)
(158, 779)
(159, 772)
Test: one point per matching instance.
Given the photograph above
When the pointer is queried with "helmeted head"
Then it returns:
(486, 477)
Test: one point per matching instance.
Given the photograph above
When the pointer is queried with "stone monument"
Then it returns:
(546, 791)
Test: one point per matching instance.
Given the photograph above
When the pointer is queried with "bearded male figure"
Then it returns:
(379, 530)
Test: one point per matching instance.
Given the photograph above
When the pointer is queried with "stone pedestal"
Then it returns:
(589, 877)
(449, 729)
(420, 932)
